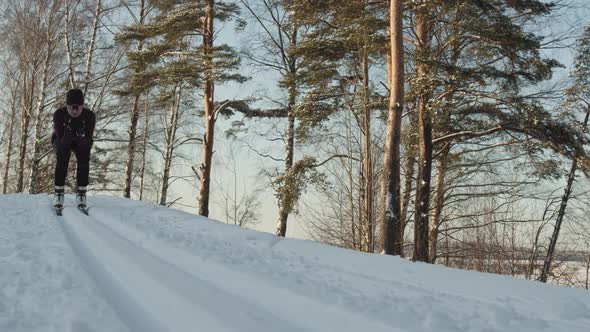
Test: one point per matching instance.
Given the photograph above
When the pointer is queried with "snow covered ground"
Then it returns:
(133, 266)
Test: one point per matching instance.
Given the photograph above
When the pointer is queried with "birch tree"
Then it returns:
(49, 42)
(172, 123)
(26, 26)
(11, 128)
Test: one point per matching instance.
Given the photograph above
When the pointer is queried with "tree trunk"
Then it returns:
(535, 253)
(408, 180)
(39, 112)
(208, 95)
(9, 146)
(422, 209)
(25, 124)
(367, 165)
(71, 74)
(144, 149)
(282, 225)
(560, 215)
(443, 164)
(37, 129)
(134, 119)
(170, 138)
(289, 149)
(391, 237)
(587, 271)
(284, 211)
(90, 52)
(131, 147)
(439, 200)
(350, 191)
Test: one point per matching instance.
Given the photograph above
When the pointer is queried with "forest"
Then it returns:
(449, 132)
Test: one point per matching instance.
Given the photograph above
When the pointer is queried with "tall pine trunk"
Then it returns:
(561, 214)
(390, 193)
(422, 209)
(208, 95)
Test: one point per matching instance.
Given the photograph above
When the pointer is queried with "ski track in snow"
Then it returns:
(238, 292)
(132, 266)
(43, 286)
(141, 285)
(390, 291)
(225, 301)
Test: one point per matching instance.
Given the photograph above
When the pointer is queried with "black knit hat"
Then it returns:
(75, 97)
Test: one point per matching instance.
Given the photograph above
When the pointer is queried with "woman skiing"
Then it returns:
(73, 130)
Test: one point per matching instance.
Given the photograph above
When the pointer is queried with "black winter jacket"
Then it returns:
(67, 129)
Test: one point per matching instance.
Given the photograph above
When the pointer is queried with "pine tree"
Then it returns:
(424, 20)
(343, 41)
(391, 214)
(471, 77)
(174, 55)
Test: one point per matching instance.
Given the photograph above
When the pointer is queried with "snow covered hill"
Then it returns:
(132, 266)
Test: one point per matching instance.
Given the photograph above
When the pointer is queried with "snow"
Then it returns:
(133, 266)
(43, 286)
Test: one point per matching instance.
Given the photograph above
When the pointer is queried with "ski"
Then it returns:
(83, 209)
(58, 209)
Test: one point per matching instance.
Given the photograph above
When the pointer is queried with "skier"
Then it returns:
(73, 130)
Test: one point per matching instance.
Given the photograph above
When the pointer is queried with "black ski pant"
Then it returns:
(63, 152)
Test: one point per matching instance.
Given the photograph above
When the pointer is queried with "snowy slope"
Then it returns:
(132, 266)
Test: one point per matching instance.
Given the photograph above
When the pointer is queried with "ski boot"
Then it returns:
(58, 200)
(81, 200)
